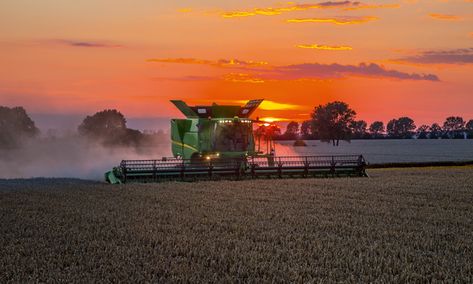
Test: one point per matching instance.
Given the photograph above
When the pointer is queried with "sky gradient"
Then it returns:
(384, 58)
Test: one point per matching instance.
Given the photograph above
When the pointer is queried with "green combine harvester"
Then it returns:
(217, 142)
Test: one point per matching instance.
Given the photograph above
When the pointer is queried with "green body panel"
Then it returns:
(184, 137)
(111, 178)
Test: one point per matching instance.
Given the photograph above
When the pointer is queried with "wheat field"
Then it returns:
(399, 225)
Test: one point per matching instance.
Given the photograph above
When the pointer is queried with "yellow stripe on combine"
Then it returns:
(180, 144)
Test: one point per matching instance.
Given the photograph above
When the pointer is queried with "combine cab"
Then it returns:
(213, 131)
(217, 142)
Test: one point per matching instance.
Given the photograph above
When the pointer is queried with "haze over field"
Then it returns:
(70, 156)
(385, 58)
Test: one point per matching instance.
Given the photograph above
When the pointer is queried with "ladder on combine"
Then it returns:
(172, 169)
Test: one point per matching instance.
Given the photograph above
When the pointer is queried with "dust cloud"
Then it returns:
(71, 156)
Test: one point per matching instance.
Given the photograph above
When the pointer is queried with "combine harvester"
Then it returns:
(217, 142)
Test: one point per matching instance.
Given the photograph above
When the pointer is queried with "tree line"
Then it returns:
(331, 122)
(107, 127)
(336, 121)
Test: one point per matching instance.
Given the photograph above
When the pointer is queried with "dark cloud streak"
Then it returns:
(320, 71)
(455, 56)
(303, 71)
(86, 44)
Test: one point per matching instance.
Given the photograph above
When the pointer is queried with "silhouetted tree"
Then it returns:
(332, 122)
(292, 131)
(401, 128)
(469, 125)
(469, 128)
(453, 125)
(271, 131)
(109, 120)
(435, 131)
(109, 127)
(266, 133)
(359, 129)
(422, 131)
(15, 125)
(376, 129)
(306, 129)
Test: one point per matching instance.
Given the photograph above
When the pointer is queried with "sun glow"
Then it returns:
(273, 119)
(272, 105)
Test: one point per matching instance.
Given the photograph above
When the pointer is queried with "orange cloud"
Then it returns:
(294, 7)
(373, 6)
(444, 17)
(270, 11)
(337, 21)
(452, 56)
(83, 43)
(217, 63)
(242, 78)
(304, 71)
(271, 105)
(185, 10)
(265, 105)
(325, 47)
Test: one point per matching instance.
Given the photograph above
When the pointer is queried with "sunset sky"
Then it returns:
(385, 58)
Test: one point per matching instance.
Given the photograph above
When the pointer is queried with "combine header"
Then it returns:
(217, 142)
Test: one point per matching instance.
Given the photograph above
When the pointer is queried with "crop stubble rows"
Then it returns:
(398, 225)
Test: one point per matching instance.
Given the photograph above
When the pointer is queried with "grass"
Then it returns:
(400, 225)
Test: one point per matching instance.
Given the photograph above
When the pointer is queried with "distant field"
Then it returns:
(399, 225)
(389, 151)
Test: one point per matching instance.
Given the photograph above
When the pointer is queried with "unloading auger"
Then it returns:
(217, 142)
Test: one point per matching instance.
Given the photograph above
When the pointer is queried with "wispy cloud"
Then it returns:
(321, 71)
(372, 6)
(444, 17)
(216, 63)
(230, 77)
(265, 105)
(335, 20)
(291, 7)
(306, 71)
(454, 56)
(89, 44)
(272, 105)
(185, 10)
(270, 11)
(242, 78)
(325, 47)
(186, 78)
